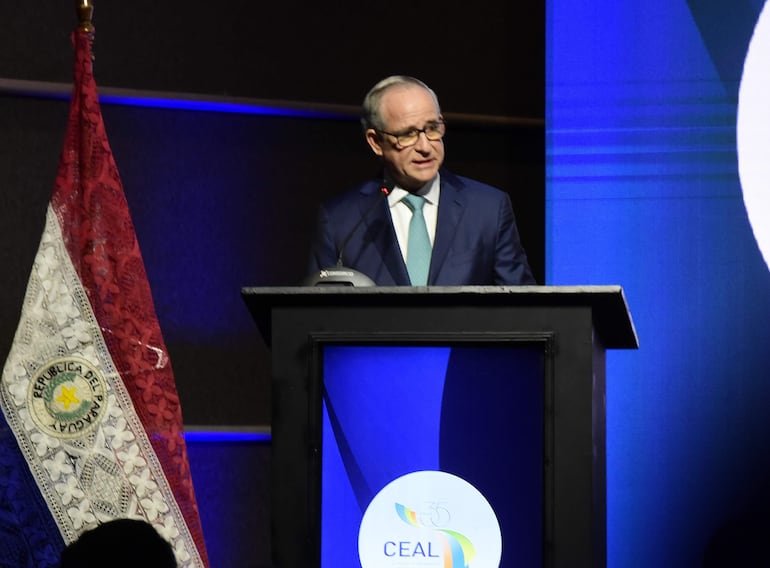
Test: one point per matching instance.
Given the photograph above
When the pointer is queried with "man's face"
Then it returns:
(403, 108)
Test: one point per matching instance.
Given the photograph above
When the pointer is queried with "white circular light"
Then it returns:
(429, 519)
(754, 133)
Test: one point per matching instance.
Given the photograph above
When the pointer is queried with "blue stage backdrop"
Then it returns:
(643, 190)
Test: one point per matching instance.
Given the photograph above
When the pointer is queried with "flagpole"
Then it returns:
(85, 11)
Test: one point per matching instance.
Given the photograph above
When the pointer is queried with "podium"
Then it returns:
(380, 395)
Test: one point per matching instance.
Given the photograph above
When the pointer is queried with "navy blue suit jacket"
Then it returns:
(476, 242)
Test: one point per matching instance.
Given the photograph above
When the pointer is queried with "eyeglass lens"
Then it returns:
(433, 131)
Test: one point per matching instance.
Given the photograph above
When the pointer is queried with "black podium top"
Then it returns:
(612, 319)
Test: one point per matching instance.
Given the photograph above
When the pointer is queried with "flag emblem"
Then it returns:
(67, 398)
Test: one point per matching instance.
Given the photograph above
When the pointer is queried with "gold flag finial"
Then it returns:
(85, 10)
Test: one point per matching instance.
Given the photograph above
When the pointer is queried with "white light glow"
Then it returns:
(754, 133)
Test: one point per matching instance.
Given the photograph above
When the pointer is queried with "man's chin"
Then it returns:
(419, 179)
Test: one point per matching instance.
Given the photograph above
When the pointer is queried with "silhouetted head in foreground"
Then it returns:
(117, 544)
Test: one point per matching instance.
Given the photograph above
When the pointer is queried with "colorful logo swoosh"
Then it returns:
(458, 549)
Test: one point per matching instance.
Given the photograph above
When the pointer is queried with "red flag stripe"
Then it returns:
(93, 214)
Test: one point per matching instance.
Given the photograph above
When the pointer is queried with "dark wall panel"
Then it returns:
(232, 487)
(484, 58)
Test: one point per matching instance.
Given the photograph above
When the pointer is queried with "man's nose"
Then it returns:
(422, 141)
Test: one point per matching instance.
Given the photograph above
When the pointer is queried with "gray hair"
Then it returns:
(370, 114)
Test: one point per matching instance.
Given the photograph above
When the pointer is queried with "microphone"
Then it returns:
(341, 275)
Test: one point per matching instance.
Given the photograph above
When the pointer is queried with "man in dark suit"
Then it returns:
(469, 234)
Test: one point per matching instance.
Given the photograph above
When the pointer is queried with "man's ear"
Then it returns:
(373, 139)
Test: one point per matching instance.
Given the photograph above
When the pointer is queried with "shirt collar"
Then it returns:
(430, 191)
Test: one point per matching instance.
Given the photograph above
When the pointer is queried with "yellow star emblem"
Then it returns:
(67, 397)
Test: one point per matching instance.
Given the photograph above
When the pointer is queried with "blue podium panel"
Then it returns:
(428, 451)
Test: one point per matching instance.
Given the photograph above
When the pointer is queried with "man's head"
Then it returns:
(403, 125)
(119, 543)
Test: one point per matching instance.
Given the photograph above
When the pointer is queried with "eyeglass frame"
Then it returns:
(441, 124)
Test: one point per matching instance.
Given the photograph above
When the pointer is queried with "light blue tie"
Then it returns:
(418, 248)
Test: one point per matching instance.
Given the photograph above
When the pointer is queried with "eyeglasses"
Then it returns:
(433, 131)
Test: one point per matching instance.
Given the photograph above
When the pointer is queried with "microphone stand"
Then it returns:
(341, 275)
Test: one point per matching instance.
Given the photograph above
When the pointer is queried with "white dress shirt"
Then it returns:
(401, 214)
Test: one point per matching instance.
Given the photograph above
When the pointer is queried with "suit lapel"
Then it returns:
(450, 210)
(380, 231)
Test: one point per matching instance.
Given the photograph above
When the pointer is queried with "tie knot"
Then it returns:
(414, 202)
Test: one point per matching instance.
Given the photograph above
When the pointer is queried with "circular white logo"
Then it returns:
(754, 133)
(429, 519)
(67, 397)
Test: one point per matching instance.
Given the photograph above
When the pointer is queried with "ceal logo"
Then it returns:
(429, 519)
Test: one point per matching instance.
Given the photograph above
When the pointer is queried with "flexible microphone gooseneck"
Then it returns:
(341, 275)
